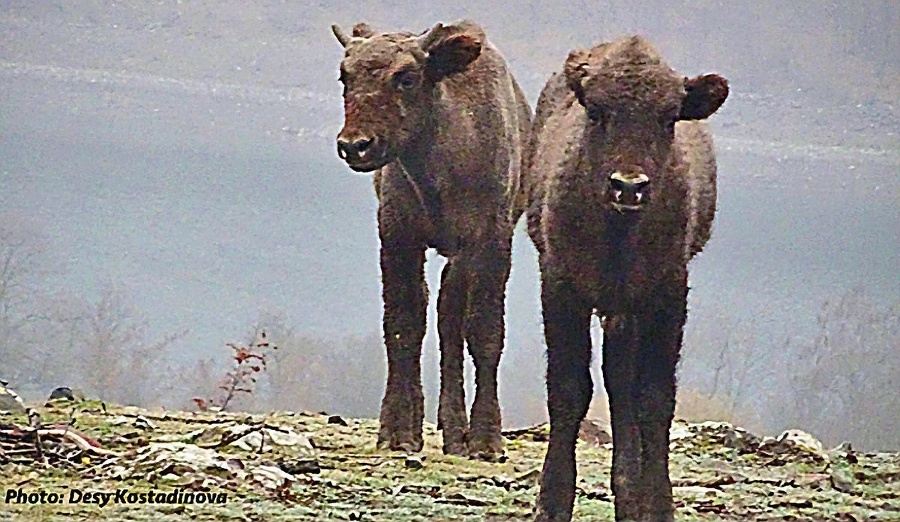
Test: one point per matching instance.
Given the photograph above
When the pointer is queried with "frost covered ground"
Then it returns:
(316, 467)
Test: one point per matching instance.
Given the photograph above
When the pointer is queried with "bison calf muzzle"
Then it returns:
(628, 193)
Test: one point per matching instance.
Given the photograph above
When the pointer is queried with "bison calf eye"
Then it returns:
(406, 79)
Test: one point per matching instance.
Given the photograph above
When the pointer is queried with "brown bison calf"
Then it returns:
(442, 122)
(621, 197)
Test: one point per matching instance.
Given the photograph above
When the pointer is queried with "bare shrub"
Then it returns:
(113, 357)
(248, 361)
(843, 383)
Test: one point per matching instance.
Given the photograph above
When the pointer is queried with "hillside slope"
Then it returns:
(302, 466)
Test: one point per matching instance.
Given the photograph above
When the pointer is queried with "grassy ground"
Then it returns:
(299, 466)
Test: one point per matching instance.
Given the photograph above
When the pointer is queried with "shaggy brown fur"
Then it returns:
(442, 122)
(620, 200)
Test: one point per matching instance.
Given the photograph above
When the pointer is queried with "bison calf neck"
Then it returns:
(621, 197)
(441, 121)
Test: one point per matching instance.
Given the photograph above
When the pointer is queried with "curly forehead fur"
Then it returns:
(380, 50)
(374, 50)
(627, 73)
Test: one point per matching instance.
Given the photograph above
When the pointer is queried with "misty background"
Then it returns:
(168, 184)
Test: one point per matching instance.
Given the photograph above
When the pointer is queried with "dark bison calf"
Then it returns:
(622, 196)
(442, 121)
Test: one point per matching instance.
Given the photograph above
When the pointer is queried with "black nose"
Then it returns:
(628, 190)
(355, 148)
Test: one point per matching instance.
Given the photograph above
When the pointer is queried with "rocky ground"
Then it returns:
(306, 466)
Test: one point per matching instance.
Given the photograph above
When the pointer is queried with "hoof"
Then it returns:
(658, 517)
(455, 442)
(458, 449)
(399, 441)
(544, 516)
(486, 447)
(408, 446)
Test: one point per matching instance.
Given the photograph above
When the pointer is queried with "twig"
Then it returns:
(37, 445)
(34, 420)
(73, 437)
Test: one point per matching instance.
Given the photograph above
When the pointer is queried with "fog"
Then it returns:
(173, 162)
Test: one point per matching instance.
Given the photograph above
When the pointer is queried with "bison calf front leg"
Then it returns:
(488, 271)
(452, 419)
(567, 322)
(620, 347)
(660, 338)
(405, 302)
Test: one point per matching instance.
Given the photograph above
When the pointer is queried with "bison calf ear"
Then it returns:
(576, 72)
(363, 30)
(450, 49)
(703, 96)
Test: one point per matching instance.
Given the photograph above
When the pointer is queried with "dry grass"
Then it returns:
(691, 406)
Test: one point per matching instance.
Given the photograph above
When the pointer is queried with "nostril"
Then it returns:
(362, 145)
(342, 149)
(630, 184)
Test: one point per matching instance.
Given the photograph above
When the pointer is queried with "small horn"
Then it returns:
(339, 33)
(428, 38)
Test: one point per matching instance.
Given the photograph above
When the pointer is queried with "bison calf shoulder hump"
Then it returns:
(441, 121)
(621, 195)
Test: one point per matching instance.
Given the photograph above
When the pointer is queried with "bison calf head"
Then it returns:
(633, 101)
(390, 82)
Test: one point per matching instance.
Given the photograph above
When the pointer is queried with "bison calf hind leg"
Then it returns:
(452, 404)
(485, 330)
(405, 302)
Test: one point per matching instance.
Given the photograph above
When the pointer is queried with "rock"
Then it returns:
(802, 440)
(178, 458)
(413, 462)
(741, 440)
(140, 422)
(267, 437)
(695, 492)
(713, 433)
(10, 401)
(529, 478)
(594, 433)
(301, 466)
(794, 443)
(62, 393)
(842, 479)
(844, 447)
(271, 477)
(144, 423)
(337, 419)
(539, 433)
(679, 431)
